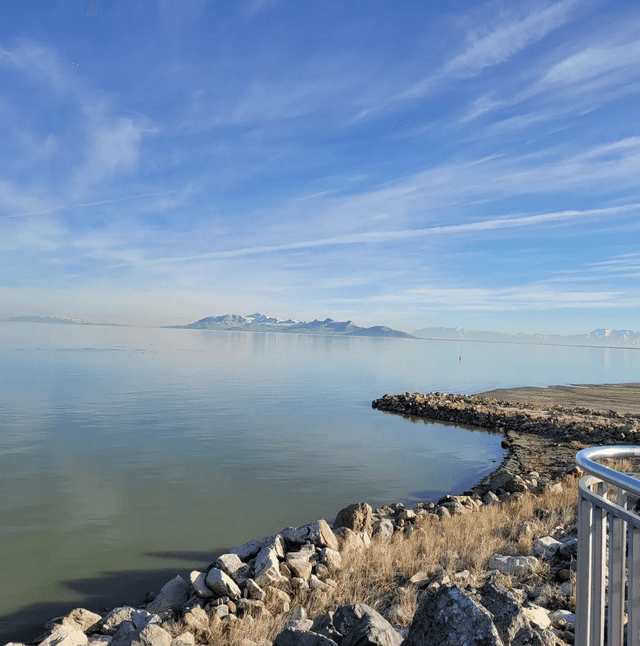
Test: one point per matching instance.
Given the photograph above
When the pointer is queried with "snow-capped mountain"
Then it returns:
(260, 323)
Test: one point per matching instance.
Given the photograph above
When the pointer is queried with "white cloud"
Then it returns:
(499, 44)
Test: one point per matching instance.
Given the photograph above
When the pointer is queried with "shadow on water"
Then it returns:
(99, 594)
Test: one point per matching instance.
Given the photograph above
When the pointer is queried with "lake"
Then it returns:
(130, 454)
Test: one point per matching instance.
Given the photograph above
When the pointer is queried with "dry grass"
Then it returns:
(376, 576)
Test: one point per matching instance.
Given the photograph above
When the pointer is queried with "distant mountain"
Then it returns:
(65, 320)
(602, 337)
(260, 323)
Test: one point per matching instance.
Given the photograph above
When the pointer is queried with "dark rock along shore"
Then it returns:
(542, 442)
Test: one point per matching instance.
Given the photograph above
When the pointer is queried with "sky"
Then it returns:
(411, 164)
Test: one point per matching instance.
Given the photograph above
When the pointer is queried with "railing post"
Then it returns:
(599, 516)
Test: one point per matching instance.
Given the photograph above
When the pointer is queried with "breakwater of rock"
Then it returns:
(578, 423)
(539, 437)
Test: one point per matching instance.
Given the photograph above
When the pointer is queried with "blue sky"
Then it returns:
(412, 164)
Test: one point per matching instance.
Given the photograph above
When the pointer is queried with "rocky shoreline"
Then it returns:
(290, 580)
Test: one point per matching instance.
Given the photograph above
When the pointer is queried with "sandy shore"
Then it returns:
(622, 398)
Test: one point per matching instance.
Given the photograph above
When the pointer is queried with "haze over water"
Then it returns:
(128, 450)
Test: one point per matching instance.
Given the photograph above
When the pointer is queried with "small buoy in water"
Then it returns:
(460, 357)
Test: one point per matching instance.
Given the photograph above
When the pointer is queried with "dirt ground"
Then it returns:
(623, 398)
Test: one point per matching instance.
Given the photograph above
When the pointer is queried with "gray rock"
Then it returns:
(302, 638)
(152, 635)
(254, 591)
(515, 565)
(267, 567)
(348, 539)
(323, 625)
(100, 640)
(198, 582)
(318, 532)
(505, 610)
(356, 517)
(372, 629)
(383, 529)
(81, 619)
(569, 546)
(298, 563)
(490, 498)
(302, 625)
(447, 617)
(184, 639)
(65, 636)
(248, 550)
(114, 619)
(173, 596)
(231, 565)
(546, 547)
(331, 558)
(221, 584)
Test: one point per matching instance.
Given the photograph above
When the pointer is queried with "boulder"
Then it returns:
(348, 539)
(267, 567)
(173, 596)
(153, 635)
(537, 616)
(290, 637)
(184, 639)
(448, 617)
(515, 565)
(221, 584)
(323, 625)
(65, 636)
(298, 563)
(199, 586)
(546, 547)
(383, 529)
(81, 619)
(254, 591)
(248, 550)
(370, 629)
(506, 612)
(356, 517)
(331, 558)
(231, 565)
(114, 619)
(318, 532)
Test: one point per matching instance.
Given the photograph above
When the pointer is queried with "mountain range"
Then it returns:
(600, 337)
(260, 323)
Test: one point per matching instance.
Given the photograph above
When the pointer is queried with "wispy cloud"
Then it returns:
(498, 44)
(387, 236)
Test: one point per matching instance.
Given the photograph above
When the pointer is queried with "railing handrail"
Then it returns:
(585, 460)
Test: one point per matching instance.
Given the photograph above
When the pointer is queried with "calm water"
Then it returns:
(129, 454)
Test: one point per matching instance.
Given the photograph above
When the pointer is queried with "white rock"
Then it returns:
(184, 639)
(515, 565)
(248, 550)
(267, 567)
(152, 635)
(298, 563)
(198, 582)
(546, 547)
(331, 558)
(222, 584)
(537, 616)
(232, 565)
(65, 636)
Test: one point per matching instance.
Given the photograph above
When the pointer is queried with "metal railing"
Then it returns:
(608, 540)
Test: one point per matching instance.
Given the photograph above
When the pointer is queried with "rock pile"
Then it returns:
(276, 577)
(585, 424)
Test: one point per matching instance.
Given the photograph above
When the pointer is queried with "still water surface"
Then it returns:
(128, 451)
